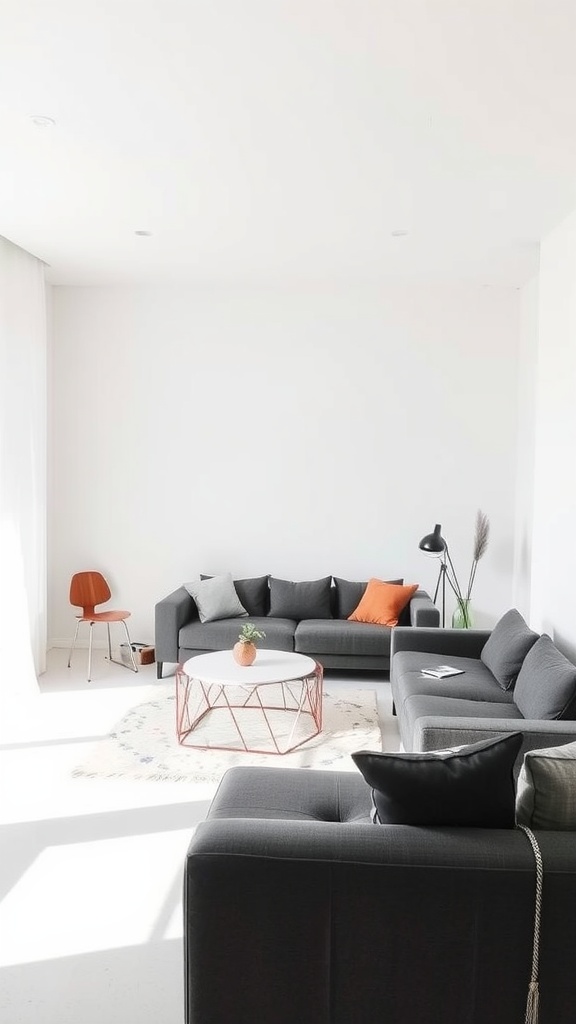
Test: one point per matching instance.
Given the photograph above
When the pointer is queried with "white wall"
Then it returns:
(527, 389)
(554, 552)
(295, 432)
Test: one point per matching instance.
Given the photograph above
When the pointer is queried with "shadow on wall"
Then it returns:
(568, 647)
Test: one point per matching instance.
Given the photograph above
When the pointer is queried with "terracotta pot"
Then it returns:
(244, 654)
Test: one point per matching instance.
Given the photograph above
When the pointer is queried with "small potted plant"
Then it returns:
(245, 650)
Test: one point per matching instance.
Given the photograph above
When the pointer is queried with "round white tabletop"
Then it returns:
(269, 667)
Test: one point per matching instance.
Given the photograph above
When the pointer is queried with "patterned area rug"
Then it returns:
(143, 744)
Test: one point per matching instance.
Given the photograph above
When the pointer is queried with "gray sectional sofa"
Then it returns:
(298, 909)
(513, 680)
(327, 637)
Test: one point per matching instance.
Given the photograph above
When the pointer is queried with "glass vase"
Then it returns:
(462, 616)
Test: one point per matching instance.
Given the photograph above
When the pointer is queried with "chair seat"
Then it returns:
(110, 616)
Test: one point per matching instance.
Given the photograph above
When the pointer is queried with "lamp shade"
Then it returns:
(433, 543)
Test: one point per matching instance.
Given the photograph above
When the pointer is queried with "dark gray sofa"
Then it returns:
(298, 909)
(334, 642)
(438, 713)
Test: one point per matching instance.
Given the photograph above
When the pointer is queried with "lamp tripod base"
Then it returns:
(442, 579)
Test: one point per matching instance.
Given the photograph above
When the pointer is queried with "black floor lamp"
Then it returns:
(434, 544)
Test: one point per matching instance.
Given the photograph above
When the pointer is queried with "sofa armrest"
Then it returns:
(462, 643)
(423, 611)
(171, 614)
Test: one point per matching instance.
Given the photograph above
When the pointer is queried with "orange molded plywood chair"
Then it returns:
(87, 589)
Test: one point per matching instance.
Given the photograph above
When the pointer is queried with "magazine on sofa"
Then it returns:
(441, 671)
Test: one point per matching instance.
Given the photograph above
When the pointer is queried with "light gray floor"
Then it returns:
(91, 870)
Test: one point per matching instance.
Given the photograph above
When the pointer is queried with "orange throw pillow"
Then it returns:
(382, 602)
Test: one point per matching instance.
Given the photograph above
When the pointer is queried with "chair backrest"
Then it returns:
(88, 589)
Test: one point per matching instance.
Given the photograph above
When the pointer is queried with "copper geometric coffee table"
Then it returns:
(270, 707)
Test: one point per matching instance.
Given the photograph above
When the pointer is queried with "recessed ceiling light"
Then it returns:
(143, 234)
(399, 233)
(41, 121)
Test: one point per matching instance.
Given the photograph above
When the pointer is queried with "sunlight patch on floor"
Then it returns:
(95, 895)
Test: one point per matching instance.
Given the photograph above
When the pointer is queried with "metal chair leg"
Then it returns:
(133, 667)
(90, 654)
(109, 643)
(74, 642)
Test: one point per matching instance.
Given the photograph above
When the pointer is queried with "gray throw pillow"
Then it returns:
(216, 598)
(546, 794)
(253, 594)
(307, 600)
(506, 648)
(546, 684)
(349, 595)
(472, 786)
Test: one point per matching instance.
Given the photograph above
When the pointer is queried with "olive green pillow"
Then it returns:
(546, 793)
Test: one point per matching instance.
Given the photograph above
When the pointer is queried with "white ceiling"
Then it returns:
(280, 140)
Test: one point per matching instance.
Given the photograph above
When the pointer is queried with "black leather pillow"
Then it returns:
(506, 648)
(307, 600)
(471, 786)
(252, 593)
(349, 595)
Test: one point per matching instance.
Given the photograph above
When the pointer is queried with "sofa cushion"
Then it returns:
(305, 600)
(216, 598)
(546, 794)
(472, 786)
(339, 637)
(382, 602)
(546, 684)
(349, 594)
(253, 594)
(507, 646)
(477, 683)
(222, 635)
